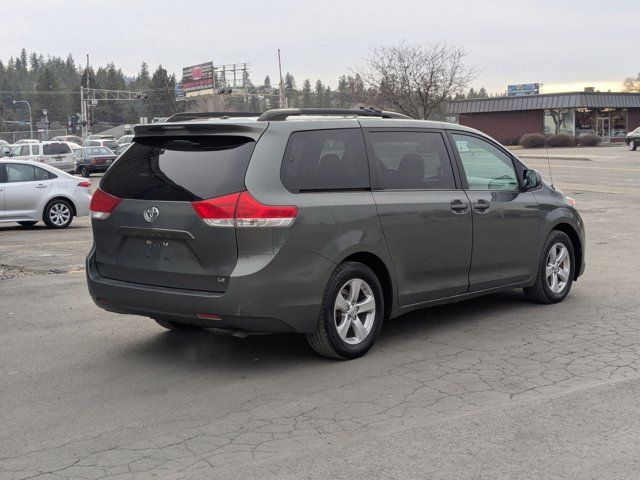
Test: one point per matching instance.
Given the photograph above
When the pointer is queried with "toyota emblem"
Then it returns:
(151, 213)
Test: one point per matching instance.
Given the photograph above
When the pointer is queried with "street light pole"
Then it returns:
(30, 119)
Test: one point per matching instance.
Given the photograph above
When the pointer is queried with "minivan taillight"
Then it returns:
(102, 204)
(242, 210)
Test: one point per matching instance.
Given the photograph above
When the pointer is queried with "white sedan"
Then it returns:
(30, 192)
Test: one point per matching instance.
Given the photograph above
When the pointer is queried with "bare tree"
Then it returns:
(632, 84)
(416, 80)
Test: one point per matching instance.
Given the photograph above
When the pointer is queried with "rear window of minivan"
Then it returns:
(56, 149)
(180, 168)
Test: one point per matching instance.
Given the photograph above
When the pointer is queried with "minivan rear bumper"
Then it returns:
(266, 293)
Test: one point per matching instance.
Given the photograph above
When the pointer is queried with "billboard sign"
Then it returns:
(180, 93)
(198, 77)
(523, 89)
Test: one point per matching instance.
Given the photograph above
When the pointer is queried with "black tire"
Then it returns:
(63, 220)
(541, 291)
(633, 145)
(177, 326)
(84, 171)
(27, 224)
(326, 340)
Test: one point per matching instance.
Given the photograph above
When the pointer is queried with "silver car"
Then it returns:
(56, 154)
(32, 192)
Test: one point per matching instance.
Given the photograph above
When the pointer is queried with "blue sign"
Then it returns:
(523, 89)
(180, 93)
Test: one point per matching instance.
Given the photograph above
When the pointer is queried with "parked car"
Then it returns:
(67, 138)
(125, 139)
(34, 192)
(110, 143)
(633, 139)
(325, 226)
(93, 159)
(99, 137)
(57, 154)
(121, 149)
(5, 150)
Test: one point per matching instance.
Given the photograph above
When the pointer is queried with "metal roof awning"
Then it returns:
(545, 101)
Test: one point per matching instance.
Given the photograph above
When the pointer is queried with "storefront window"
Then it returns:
(619, 122)
(585, 121)
(558, 121)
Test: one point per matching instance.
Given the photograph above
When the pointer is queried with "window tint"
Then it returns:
(35, 149)
(411, 160)
(20, 173)
(42, 174)
(21, 150)
(99, 151)
(111, 144)
(180, 169)
(486, 166)
(56, 149)
(325, 160)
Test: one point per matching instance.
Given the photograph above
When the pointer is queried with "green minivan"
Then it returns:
(321, 221)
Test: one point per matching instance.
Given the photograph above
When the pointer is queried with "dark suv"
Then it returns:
(323, 222)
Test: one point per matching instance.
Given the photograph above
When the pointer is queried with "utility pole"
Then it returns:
(283, 97)
(86, 124)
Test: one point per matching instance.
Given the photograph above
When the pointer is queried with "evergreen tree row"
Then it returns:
(54, 83)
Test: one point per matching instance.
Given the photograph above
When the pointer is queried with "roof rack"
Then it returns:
(282, 114)
(182, 117)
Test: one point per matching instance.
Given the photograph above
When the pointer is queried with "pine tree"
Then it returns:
(307, 96)
(342, 92)
(290, 90)
(55, 105)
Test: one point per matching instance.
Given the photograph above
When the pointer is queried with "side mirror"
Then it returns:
(531, 180)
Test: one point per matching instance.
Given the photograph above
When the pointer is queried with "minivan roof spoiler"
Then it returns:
(282, 114)
(186, 116)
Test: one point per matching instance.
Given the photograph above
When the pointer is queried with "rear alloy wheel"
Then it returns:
(633, 145)
(555, 270)
(84, 171)
(27, 224)
(177, 326)
(351, 314)
(58, 214)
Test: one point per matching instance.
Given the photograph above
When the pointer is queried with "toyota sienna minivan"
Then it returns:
(323, 222)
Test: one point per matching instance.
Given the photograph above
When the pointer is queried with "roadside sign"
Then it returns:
(522, 89)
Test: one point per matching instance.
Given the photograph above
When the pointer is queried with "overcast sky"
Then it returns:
(564, 44)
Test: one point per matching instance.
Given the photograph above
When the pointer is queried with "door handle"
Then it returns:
(459, 206)
(41, 186)
(481, 205)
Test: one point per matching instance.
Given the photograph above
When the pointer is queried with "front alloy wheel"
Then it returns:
(351, 313)
(633, 145)
(556, 270)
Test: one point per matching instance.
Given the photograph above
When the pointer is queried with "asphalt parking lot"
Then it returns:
(489, 388)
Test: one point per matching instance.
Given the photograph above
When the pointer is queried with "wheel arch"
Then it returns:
(572, 233)
(381, 270)
(74, 210)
